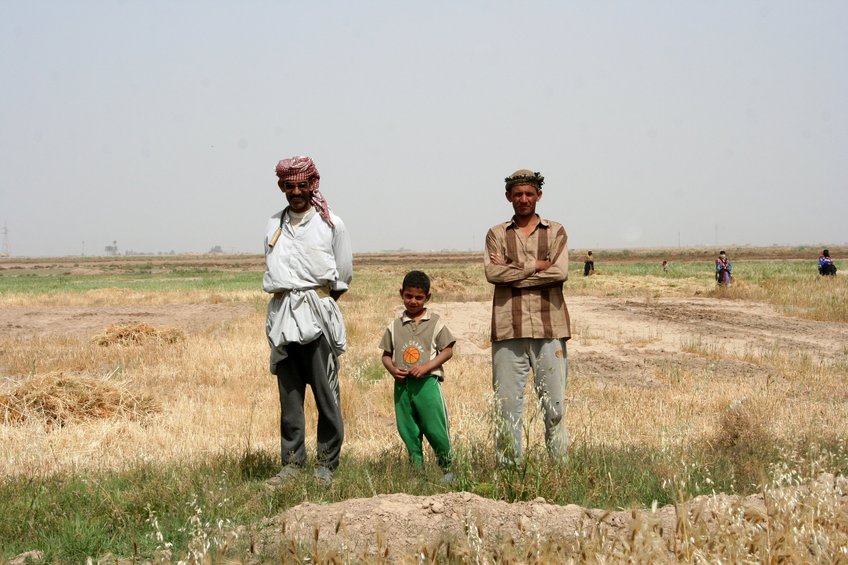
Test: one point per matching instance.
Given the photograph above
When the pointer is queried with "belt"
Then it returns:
(321, 290)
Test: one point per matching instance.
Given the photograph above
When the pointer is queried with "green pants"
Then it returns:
(420, 412)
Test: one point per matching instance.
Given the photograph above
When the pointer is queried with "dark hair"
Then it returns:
(826, 253)
(416, 279)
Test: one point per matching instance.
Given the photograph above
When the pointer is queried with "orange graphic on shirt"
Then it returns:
(411, 355)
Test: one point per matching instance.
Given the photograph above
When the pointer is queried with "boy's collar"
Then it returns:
(405, 318)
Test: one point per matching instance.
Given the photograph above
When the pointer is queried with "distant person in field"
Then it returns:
(588, 264)
(723, 269)
(665, 266)
(415, 346)
(307, 252)
(826, 265)
(527, 261)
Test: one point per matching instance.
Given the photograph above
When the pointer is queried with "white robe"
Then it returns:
(313, 256)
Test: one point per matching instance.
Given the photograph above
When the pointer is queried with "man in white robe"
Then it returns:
(307, 254)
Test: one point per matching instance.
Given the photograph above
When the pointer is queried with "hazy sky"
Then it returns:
(158, 124)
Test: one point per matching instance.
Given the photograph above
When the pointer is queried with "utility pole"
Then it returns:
(6, 249)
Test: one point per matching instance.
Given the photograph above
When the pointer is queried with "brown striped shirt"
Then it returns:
(527, 303)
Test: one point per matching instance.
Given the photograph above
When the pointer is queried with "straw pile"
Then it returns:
(137, 334)
(58, 398)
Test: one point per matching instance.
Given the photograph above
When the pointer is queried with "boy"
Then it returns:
(415, 346)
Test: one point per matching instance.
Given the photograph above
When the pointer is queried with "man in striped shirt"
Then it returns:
(527, 261)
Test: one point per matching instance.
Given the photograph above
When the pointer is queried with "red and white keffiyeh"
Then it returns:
(300, 169)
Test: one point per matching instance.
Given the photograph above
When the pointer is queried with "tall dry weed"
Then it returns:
(742, 426)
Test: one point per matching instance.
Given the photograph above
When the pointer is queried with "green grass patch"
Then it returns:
(190, 511)
(50, 281)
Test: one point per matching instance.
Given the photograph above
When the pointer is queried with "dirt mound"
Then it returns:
(463, 527)
(137, 334)
(59, 398)
(393, 525)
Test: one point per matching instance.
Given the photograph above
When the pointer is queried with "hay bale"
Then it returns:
(58, 398)
(137, 334)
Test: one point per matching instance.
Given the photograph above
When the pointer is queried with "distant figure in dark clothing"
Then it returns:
(826, 266)
(722, 269)
(665, 266)
(588, 264)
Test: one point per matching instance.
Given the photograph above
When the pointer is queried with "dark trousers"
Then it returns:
(827, 269)
(315, 365)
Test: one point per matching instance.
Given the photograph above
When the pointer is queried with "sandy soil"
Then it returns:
(86, 322)
(640, 329)
(640, 333)
(644, 330)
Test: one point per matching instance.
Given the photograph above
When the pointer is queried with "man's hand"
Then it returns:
(541, 264)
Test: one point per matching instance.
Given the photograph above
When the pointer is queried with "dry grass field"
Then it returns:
(107, 378)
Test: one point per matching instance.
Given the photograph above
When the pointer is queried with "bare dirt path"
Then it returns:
(632, 331)
(86, 321)
(632, 326)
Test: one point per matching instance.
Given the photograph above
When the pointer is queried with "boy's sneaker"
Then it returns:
(447, 478)
(323, 475)
(286, 474)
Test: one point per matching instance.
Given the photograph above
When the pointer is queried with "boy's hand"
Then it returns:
(417, 371)
(396, 372)
(399, 374)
